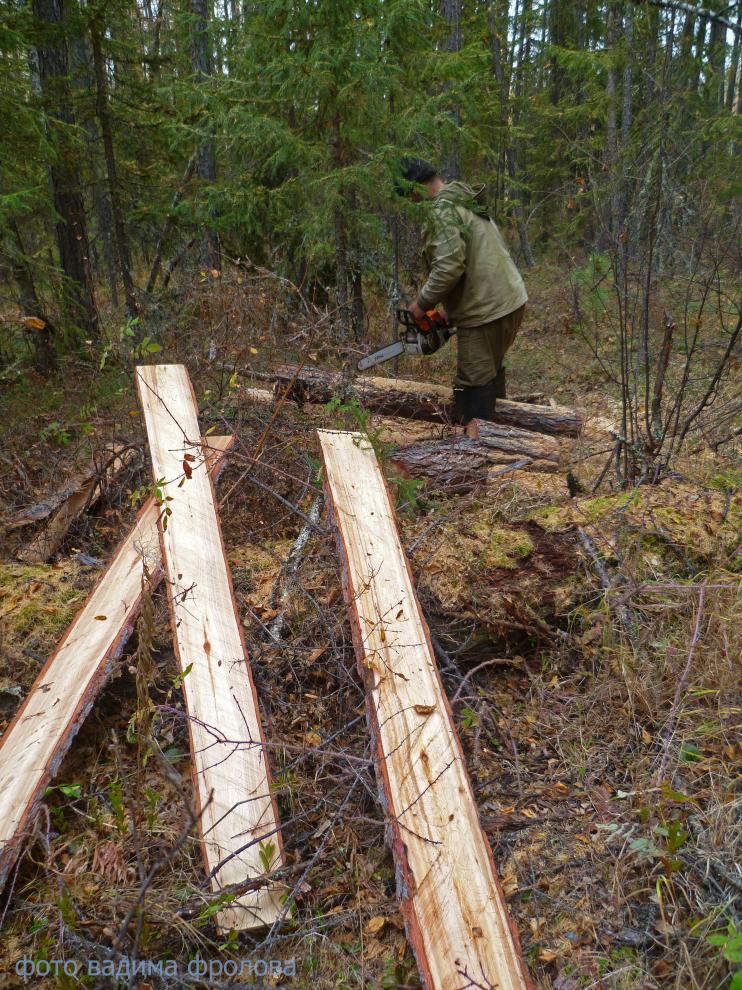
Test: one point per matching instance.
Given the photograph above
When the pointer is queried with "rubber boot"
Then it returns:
(482, 401)
(474, 402)
(500, 389)
(462, 405)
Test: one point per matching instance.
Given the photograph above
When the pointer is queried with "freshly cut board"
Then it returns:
(238, 823)
(34, 743)
(450, 897)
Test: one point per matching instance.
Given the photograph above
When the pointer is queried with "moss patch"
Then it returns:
(37, 603)
(507, 547)
(702, 522)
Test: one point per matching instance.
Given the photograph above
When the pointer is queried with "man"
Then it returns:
(474, 280)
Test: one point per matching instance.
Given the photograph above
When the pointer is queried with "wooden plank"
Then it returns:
(33, 745)
(450, 896)
(231, 776)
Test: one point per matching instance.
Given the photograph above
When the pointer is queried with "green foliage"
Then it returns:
(267, 853)
(729, 944)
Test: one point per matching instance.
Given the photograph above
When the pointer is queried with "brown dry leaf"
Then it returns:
(316, 654)
(509, 878)
(374, 925)
(646, 738)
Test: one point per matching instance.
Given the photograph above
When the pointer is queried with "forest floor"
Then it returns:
(603, 744)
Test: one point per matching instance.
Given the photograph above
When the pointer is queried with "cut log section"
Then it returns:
(417, 400)
(65, 505)
(461, 463)
(238, 819)
(450, 897)
(33, 745)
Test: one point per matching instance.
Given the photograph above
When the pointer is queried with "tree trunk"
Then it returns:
(342, 273)
(45, 360)
(416, 400)
(206, 155)
(169, 224)
(359, 310)
(104, 118)
(510, 162)
(71, 228)
(451, 14)
(733, 77)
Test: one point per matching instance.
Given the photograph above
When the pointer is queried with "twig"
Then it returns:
(680, 687)
(481, 666)
(600, 569)
(292, 566)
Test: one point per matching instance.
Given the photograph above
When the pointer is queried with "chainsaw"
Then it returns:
(423, 336)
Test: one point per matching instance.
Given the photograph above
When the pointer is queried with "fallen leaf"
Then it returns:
(316, 654)
(33, 323)
(374, 925)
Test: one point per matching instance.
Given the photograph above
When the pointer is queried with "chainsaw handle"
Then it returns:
(405, 317)
(432, 320)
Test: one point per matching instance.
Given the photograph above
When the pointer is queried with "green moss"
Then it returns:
(553, 518)
(40, 620)
(17, 576)
(506, 548)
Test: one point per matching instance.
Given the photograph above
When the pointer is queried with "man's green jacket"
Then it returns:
(470, 268)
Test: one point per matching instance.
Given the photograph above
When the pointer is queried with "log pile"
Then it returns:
(416, 400)
(463, 462)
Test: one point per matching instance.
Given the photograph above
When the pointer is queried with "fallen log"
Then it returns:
(238, 823)
(416, 400)
(461, 463)
(67, 504)
(33, 745)
(451, 901)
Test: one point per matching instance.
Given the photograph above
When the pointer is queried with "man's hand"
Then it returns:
(416, 311)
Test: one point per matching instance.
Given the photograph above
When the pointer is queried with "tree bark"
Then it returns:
(451, 14)
(104, 118)
(733, 80)
(417, 400)
(41, 337)
(462, 463)
(71, 227)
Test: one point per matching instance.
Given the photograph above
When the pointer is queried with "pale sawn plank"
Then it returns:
(450, 897)
(33, 745)
(239, 823)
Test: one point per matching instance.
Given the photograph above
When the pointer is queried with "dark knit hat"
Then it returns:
(416, 169)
